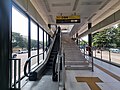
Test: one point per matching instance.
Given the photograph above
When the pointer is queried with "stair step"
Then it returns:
(76, 63)
(78, 68)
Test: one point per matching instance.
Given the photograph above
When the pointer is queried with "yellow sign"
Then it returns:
(68, 19)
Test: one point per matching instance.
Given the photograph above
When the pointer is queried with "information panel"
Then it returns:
(68, 19)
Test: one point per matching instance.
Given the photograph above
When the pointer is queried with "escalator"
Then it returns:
(46, 74)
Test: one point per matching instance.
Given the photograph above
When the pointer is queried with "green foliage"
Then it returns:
(107, 38)
(18, 40)
(82, 43)
(22, 42)
(33, 43)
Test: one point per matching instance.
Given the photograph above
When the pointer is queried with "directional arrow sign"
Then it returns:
(91, 81)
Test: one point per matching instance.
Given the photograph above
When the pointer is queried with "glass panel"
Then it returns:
(47, 41)
(94, 51)
(40, 44)
(109, 41)
(115, 57)
(105, 54)
(45, 44)
(19, 37)
(33, 44)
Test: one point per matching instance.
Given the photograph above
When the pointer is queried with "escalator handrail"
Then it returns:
(28, 61)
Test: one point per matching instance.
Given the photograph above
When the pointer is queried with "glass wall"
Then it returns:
(33, 43)
(19, 37)
(21, 33)
(40, 44)
(45, 46)
(47, 41)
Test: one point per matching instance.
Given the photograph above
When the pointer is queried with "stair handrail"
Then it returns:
(91, 52)
(61, 70)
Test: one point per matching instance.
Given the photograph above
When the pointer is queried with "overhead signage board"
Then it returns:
(68, 19)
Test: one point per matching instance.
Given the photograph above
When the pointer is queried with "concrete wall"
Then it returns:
(112, 19)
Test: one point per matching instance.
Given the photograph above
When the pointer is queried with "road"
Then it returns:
(24, 57)
(115, 57)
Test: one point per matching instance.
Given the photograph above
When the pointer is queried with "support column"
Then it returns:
(29, 42)
(43, 44)
(49, 40)
(5, 42)
(89, 39)
(77, 38)
(38, 46)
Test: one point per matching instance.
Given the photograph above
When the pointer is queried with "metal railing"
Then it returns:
(15, 72)
(61, 72)
(86, 51)
(104, 54)
(107, 55)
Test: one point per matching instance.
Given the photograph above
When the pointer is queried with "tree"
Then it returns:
(118, 36)
(107, 38)
(99, 39)
(33, 43)
(18, 40)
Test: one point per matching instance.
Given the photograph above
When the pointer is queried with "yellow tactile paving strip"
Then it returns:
(108, 72)
(91, 81)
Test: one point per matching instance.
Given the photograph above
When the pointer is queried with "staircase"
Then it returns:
(74, 60)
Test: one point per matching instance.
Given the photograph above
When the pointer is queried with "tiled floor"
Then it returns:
(72, 54)
(109, 83)
(45, 83)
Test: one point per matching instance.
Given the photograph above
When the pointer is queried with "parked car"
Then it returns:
(114, 50)
(14, 55)
(22, 51)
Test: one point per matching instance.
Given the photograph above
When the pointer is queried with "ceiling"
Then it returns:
(89, 10)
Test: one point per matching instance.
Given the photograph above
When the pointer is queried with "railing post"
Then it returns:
(109, 56)
(84, 51)
(92, 60)
(19, 73)
(95, 52)
(58, 70)
(11, 72)
(15, 74)
(63, 74)
(15, 80)
(101, 53)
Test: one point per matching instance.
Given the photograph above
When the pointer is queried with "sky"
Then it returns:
(20, 25)
(85, 38)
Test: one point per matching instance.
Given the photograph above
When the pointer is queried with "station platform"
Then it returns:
(108, 74)
(78, 72)
(104, 77)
